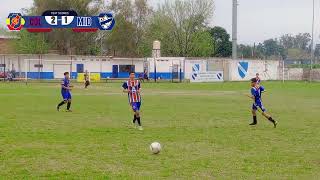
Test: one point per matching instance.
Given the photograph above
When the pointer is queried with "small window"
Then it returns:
(126, 68)
(38, 65)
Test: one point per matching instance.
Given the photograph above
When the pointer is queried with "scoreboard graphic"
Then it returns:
(60, 19)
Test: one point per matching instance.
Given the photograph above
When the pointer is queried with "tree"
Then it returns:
(317, 51)
(201, 44)
(221, 42)
(176, 24)
(31, 43)
(245, 51)
(271, 47)
(121, 40)
(135, 16)
(302, 41)
(66, 41)
(287, 41)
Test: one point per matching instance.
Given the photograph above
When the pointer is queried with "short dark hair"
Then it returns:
(65, 73)
(253, 80)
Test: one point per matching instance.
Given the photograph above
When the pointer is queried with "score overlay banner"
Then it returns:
(60, 19)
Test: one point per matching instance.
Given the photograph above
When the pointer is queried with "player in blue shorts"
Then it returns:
(256, 92)
(133, 88)
(65, 92)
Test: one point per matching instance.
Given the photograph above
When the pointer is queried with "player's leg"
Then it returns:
(139, 120)
(87, 83)
(65, 100)
(69, 102)
(254, 115)
(136, 109)
(268, 116)
(133, 106)
(61, 104)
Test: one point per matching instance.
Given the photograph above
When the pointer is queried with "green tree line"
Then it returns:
(182, 26)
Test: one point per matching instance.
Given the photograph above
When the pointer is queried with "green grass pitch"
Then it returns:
(203, 129)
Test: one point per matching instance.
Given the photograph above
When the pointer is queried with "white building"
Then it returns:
(53, 67)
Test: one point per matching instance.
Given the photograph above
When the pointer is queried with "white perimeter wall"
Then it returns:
(268, 70)
(90, 64)
(164, 64)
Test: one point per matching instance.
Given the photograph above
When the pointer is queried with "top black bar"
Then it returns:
(60, 13)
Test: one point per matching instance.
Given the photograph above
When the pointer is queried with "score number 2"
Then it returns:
(52, 20)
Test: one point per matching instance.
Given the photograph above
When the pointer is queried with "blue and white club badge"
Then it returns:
(106, 21)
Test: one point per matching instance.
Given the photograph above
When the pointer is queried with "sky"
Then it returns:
(258, 20)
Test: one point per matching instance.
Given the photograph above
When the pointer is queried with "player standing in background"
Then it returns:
(258, 78)
(256, 92)
(65, 92)
(133, 88)
(86, 79)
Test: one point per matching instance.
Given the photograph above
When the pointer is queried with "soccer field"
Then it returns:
(203, 129)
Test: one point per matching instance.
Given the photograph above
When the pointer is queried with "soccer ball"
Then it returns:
(155, 147)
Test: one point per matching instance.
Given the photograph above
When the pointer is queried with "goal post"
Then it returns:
(44, 69)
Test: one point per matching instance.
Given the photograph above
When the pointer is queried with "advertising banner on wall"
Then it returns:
(94, 77)
(209, 76)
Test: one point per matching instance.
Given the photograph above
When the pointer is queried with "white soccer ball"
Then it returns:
(155, 147)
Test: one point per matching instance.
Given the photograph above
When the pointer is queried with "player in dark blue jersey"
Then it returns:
(132, 87)
(256, 92)
(65, 92)
(258, 78)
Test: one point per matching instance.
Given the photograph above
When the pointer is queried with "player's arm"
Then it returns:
(125, 88)
(64, 87)
(252, 94)
(139, 88)
(262, 89)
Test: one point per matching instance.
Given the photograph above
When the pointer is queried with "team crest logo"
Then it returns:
(15, 22)
(106, 21)
(195, 71)
(243, 69)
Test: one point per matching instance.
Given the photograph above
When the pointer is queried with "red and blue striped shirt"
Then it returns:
(133, 87)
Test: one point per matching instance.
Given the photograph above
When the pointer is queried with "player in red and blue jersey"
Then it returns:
(65, 92)
(256, 92)
(133, 88)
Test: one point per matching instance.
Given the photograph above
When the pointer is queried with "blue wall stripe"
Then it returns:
(74, 75)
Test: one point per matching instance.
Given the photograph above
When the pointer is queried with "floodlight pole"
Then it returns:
(234, 28)
(312, 44)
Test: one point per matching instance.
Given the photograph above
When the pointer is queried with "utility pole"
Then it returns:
(312, 43)
(234, 28)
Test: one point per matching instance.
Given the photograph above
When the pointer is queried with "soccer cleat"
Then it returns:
(140, 128)
(253, 124)
(135, 125)
(58, 108)
(68, 110)
(275, 124)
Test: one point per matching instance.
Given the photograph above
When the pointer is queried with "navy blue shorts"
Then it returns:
(66, 95)
(255, 107)
(136, 106)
